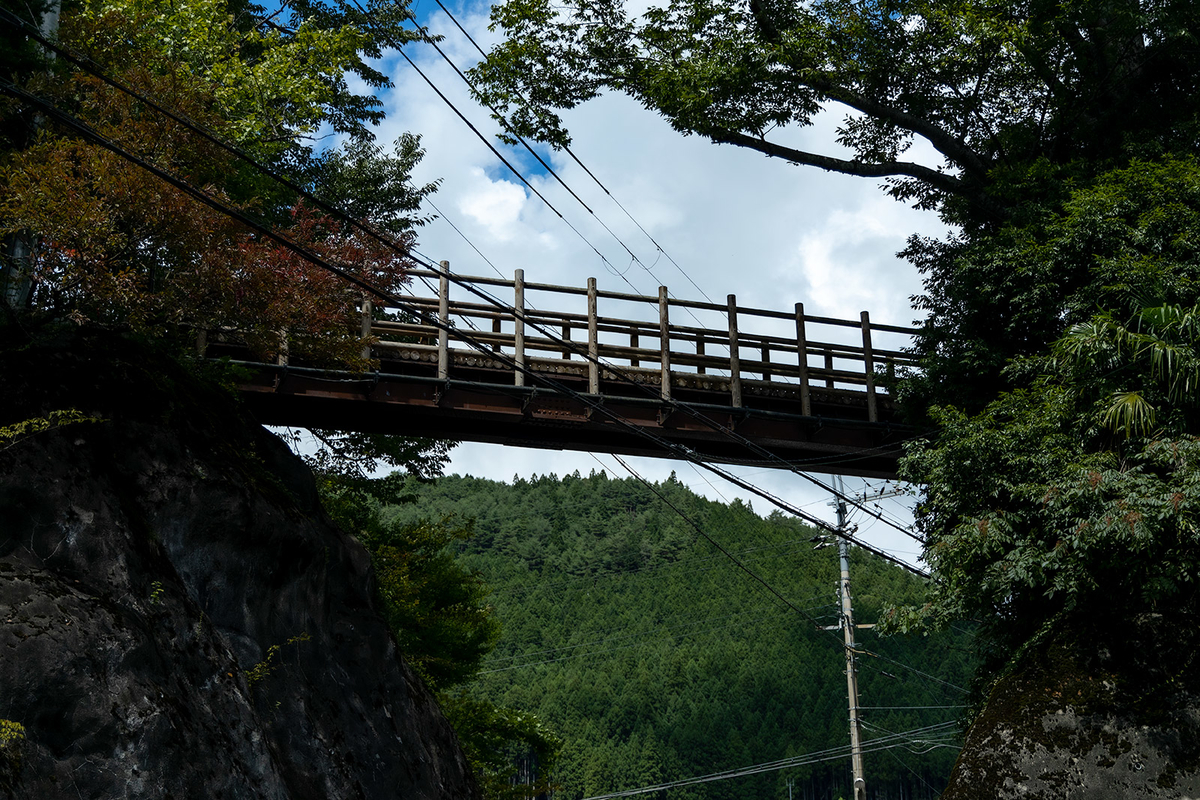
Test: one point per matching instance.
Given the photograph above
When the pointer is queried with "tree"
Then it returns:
(437, 609)
(1077, 494)
(1059, 335)
(114, 244)
(1015, 98)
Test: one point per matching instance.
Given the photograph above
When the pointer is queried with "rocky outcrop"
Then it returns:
(178, 618)
(1100, 710)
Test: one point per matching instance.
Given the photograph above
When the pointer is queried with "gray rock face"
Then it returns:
(178, 619)
(1099, 712)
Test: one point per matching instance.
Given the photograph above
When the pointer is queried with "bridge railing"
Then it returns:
(728, 347)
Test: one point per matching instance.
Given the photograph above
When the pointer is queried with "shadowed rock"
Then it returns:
(1102, 709)
(178, 618)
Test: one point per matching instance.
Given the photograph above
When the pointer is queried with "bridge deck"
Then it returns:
(725, 367)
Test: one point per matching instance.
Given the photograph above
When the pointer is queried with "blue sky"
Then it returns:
(735, 221)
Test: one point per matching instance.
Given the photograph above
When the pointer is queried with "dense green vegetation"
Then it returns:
(1058, 356)
(654, 658)
(89, 232)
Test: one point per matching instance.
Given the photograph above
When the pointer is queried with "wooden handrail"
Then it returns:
(682, 350)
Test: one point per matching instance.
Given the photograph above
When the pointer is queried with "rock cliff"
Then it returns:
(1099, 709)
(178, 618)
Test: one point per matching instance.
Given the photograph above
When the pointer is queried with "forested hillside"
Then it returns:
(655, 658)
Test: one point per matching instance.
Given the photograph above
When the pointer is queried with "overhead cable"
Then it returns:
(682, 452)
(211, 137)
(832, 754)
(584, 167)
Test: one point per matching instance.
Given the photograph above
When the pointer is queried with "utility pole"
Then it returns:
(848, 629)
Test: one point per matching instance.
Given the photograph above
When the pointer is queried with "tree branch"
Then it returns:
(943, 141)
(931, 177)
(938, 180)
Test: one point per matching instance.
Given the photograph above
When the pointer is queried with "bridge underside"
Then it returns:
(481, 404)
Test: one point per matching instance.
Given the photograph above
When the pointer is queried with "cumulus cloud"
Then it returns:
(732, 220)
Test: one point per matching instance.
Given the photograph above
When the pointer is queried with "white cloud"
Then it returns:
(496, 205)
(735, 221)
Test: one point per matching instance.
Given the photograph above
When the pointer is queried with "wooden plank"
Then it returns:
(443, 369)
(869, 368)
(593, 341)
(519, 331)
(664, 341)
(365, 330)
(735, 368)
(802, 363)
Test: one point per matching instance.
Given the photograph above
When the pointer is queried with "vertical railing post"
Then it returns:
(368, 313)
(828, 369)
(869, 367)
(443, 370)
(593, 340)
(566, 337)
(735, 365)
(766, 359)
(802, 364)
(519, 326)
(634, 361)
(700, 368)
(664, 342)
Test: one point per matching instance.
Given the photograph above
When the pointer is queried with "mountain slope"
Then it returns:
(656, 658)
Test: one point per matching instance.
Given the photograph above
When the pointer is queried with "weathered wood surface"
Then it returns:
(807, 388)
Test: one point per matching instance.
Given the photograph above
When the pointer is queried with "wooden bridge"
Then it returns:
(731, 383)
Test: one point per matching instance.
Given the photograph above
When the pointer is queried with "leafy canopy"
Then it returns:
(115, 245)
(1078, 490)
(1014, 97)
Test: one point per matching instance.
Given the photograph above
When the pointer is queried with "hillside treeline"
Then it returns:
(655, 658)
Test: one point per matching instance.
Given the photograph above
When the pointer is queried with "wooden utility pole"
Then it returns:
(848, 629)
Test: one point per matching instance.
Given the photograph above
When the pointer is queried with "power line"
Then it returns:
(478, 252)
(833, 754)
(908, 708)
(686, 453)
(399, 49)
(387, 241)
(432, 41)
(737, 562)
(590, 174)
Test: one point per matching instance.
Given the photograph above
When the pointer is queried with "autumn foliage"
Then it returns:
(114, 244)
